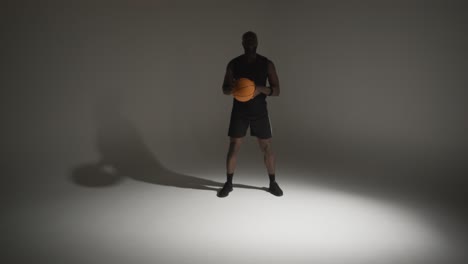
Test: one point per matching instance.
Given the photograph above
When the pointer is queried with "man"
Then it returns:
(252, 113)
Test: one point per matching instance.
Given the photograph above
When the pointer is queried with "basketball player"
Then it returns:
(252, 113)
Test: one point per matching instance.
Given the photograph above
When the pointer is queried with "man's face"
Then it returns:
(250, 43)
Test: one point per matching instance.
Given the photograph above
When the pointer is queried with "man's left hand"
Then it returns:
(257, 91)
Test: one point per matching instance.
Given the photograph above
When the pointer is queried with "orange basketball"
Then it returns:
(244, 90)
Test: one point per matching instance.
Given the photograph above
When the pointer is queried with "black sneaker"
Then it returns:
(227, 188)
(275, 189)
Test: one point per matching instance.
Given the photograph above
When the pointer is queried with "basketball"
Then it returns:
(244, 90)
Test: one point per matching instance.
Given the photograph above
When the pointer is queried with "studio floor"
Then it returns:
(123, 220)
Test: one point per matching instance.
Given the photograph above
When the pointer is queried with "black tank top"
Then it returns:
(258, 72)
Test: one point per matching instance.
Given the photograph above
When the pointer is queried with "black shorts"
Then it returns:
(259, 126)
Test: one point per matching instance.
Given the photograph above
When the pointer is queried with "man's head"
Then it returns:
(249, 42)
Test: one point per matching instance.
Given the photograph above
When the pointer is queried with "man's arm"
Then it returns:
(229, 82)
(273, 80)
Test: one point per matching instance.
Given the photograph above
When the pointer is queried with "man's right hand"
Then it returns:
(230, 89)
(229, 82)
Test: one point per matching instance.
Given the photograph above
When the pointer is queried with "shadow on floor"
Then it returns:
(123, 153)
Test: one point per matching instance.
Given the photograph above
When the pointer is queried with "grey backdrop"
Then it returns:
(366, 86)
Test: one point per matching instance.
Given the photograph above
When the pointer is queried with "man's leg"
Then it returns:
(268, 155)
(231, 159)
(269, 160)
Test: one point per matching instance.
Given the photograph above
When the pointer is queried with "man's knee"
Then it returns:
(234, 145)
(236, 140)
(265, 146)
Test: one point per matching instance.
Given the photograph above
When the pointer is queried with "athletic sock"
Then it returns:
(272, 177)
(229, 177)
